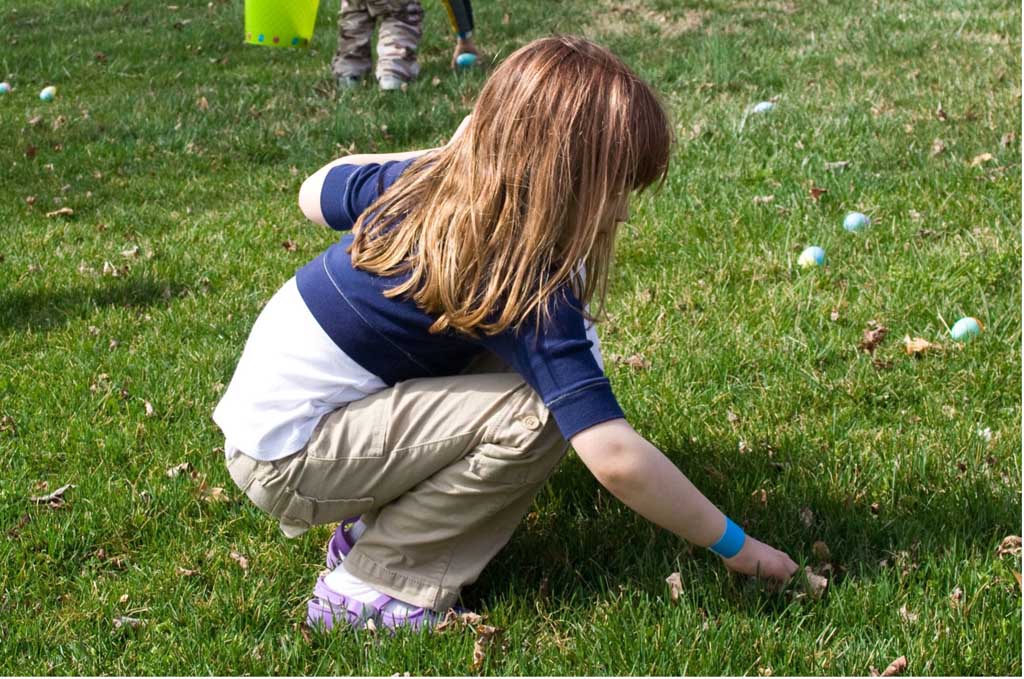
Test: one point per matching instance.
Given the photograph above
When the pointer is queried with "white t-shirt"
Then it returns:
(290, 375)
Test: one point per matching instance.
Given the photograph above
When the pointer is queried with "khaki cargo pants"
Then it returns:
(442, 470)
(401, 25)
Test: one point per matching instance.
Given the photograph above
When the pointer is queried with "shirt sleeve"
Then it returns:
(349, 189)
(557, 361)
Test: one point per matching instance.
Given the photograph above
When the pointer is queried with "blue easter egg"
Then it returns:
(812, 256)
(763, 107)
(855, 221)
(48, 93)
(5, 87)
(965, 328)
(465, 60)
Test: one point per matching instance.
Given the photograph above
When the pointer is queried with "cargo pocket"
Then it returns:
(356, 430)
(299, 512)
(522, 450)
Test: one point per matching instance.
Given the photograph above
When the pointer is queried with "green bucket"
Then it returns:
(280, 23)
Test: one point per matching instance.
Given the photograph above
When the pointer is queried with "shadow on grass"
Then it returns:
(583, 543)
(44, 309)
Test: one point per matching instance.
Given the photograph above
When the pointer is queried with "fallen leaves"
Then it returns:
(806, 517)
(763, 200)
(289, 245)
(62, 212)
(242, 562)
(634, 361)
(821, 551)
(124, 621)
(55, 500)
(837, 165)
(907, 615)
(956, 596)
(1007, 140)
(918, 345)
(814, 585)
(897, 666)
(487, 636)
(873, 336)
(186, 572)
(1009, 546)
(816, 192)
(938, 146)
(675, 586)
(981, 159)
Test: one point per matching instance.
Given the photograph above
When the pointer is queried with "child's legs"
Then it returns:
(442, 470)
(400, 30)
(355, 29)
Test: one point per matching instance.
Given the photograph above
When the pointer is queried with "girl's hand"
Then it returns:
(757, 558)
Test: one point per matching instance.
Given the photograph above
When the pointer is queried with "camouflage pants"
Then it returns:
(401, 25)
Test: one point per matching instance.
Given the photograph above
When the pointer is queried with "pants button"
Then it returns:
(531, 422)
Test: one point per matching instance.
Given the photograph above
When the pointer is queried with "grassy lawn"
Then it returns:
(180, 152)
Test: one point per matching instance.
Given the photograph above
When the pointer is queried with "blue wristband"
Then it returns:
(731, 542)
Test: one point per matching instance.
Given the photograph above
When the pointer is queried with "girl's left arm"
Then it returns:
(309, 194)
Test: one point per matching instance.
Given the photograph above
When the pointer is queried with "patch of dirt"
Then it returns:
(615, 19)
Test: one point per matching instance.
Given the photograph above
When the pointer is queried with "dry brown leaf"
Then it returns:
(906, 615)
(675, 586)
(186, 572)
(956, 596)
(1007, 140)
(806, 517)
(178, 470)
(305, 632)
(56, 498)
(203, 104)
(212, 494)
(435, 81)
(873, 336)
(817, 192)
(634, 361)
(506, 19)
(123, 599)
(941, 114)
(821, 551)
(455, 618)
(289, 245)
(732, 417)
(938, 146)
(1016, 574)
(149, 408)
(486, 636)
(875, 508)
(761, 497)
(243, 563)
(62, 212)
(1009, 545)
(58, 122)
(837, 165)
(133, 251)
(815, 584)
(763, 200)
(126, 621)
(897, 666)
(918, 345)
(981, 158)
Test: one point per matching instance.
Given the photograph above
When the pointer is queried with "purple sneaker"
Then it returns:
(327, 608)
(341, 543)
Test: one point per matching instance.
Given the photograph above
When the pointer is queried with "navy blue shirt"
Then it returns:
(391, 338)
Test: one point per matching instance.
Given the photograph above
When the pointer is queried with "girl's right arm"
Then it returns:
(644, 479)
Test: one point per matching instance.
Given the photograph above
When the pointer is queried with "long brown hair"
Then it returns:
(492, 225)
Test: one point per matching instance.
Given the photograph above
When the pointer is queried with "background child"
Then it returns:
(426, 371)
(401, 25)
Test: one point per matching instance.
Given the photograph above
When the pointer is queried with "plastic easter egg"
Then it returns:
(812, 256)
(48, 93)
(856, 221)
(465, 60)
(763, 107)
(965, 329)
(5, 87)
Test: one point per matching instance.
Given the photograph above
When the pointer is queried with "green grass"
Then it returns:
(706, 288)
